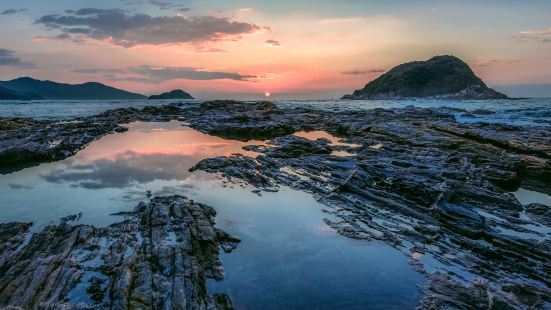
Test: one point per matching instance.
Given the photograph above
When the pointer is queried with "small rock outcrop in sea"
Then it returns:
(159, 257)
(441, 77)
(173, 94)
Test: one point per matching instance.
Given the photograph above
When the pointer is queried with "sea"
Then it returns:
(529, 111)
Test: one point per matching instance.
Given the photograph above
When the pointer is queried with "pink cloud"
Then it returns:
(540, 36)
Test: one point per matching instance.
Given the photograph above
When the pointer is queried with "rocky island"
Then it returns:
(173, 94)
(441, 77)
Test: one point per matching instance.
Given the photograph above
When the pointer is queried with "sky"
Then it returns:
(244, 49)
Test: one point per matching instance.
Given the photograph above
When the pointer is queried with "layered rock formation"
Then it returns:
(425, 185)
(159, 257)
(242, 121)
(436, 189)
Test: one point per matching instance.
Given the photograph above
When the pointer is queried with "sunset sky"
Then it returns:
(291, 49)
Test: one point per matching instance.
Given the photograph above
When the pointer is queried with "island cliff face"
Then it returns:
(174, 94)
(441, 77)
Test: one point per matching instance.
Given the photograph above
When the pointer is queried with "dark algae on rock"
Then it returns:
(158, 257)
(441, 77)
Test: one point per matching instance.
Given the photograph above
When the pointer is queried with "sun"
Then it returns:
(267, 95)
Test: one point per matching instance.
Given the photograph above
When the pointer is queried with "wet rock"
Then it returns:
(41, 141)
(529, 295)
(12, 123)
(420, 181)
(431, 183)
(237, 167)
(482, 112)
(70, 218)
(293, 146)
(238, 120)
(541, 213)
(443, 292)
(12, 236)
(157, 258)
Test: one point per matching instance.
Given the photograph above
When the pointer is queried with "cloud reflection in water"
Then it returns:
(148, 152)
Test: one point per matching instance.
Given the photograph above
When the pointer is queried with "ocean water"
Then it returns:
(536, 111)
(68, 109)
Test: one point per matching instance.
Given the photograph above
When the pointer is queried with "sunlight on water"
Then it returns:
(335, 141)
(314, 135)
(110, 175)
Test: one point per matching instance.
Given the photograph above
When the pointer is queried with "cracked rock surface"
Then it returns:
(158, 257)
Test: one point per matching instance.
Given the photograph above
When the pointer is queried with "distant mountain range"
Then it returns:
(27, 88)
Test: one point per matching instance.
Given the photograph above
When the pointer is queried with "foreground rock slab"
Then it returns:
(159, 257)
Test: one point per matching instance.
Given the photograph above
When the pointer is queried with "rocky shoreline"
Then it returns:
(26, 142)
(412, 177)
(158, 257)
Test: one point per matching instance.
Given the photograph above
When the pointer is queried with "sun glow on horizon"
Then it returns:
(241, 51)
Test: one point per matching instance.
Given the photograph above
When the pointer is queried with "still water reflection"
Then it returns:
(288, 258)
(111, 174)
(525, 197)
